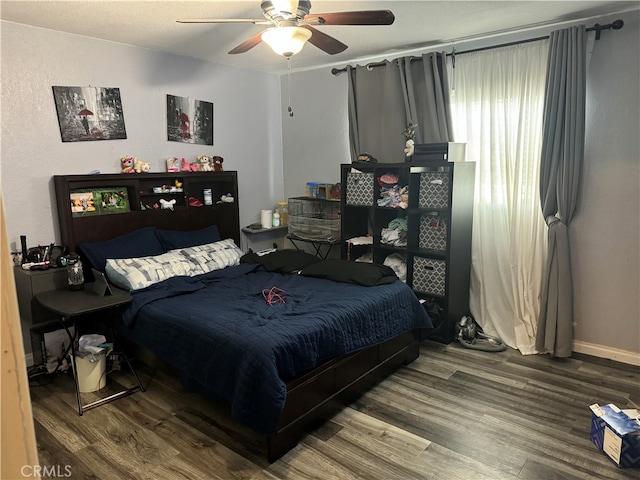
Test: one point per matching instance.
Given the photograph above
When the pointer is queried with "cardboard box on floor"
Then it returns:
(617, 433)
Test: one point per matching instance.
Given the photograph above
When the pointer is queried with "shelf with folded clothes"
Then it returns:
(393, 191)
(420, 218)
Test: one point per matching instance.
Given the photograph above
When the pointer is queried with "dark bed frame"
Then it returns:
(310, 397)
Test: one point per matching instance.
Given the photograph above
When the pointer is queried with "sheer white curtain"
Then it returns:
(497, 105)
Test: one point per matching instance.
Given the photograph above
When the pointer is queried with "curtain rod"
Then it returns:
(616, 25)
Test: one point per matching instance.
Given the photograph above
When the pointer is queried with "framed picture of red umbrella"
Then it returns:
(189, 120)
(89, 113)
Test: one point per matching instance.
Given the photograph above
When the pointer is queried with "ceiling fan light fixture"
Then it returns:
(286, 41)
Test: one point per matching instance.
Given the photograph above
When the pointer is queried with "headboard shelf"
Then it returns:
(134, 198)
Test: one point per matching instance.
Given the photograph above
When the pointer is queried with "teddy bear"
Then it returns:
(217, 163)
(127, 164)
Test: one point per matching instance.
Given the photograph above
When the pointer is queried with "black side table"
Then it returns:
(69, 305)
(317, 245)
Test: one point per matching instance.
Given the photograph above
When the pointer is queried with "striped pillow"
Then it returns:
(142, 272)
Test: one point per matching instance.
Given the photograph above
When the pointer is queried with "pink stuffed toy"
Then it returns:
(184, 165)
(127, 164)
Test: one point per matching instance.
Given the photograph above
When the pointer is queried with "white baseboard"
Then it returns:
(603, 351)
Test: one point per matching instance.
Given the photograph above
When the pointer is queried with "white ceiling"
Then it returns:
(418, 25)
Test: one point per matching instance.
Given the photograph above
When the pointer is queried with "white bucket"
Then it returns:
(92, 376)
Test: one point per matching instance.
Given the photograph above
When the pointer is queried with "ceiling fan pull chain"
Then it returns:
(289, 109)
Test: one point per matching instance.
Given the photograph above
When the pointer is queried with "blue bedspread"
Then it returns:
(218, 330)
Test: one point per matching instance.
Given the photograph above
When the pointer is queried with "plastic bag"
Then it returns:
(92, 346)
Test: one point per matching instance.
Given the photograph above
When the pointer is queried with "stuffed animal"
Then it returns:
(409, 148)
(217, 163)
(141, 167)
(409, 136)
(205, 163)
(167, 204)
(128, 164)
(184, 165)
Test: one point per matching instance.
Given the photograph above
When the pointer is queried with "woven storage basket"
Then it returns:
(429, 275)
(360, 189)
(433, 232)
(434, 190)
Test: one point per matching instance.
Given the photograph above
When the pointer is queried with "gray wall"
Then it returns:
(316, 138)
(247, 121)
(605, 234)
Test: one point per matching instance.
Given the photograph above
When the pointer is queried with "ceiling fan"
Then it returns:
(291, 26)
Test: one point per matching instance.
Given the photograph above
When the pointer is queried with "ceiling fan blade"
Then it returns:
(247, 44)
(255, 21)
(367, 17)
(325, 42)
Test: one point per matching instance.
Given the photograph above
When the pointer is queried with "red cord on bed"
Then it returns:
(273, 295)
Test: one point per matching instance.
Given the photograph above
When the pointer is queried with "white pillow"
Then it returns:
(141, 272)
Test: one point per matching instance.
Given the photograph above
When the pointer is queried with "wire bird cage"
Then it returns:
(314, 219)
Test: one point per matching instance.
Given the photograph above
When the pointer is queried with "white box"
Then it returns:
(49, 341)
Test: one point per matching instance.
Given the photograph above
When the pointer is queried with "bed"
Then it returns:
(282, 338)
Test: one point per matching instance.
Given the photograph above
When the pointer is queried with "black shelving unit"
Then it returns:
(438, 211)
(186, 188)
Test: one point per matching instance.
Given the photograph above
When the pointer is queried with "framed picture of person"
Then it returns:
(89, 113)
(189, 121)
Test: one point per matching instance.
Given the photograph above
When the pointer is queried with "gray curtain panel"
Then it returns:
(376, 112)
(561, 163)
(427, 97)
(384, 99)
(352, 112)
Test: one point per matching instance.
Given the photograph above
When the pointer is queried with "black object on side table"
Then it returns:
(71, 304)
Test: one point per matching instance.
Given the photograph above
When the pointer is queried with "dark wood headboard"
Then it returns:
(97, 225)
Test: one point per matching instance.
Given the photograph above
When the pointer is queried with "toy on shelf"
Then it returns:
(141, 167)
(167, 204)
(177, 188)
(410, 136)
(173, 164)
(205, 163)
(128, 164)
(184, 165)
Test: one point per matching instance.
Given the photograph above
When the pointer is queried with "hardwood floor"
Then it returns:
(454, 414)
